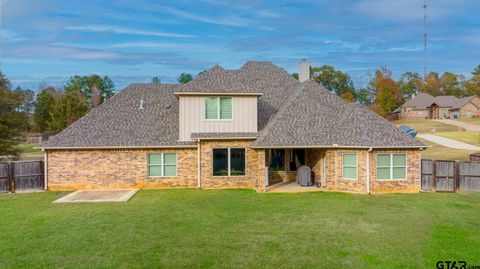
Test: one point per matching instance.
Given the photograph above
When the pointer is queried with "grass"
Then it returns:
(467, 137)
(426, 126)
(241, 229)
(29, 149)
(475, 121)
(439, 152)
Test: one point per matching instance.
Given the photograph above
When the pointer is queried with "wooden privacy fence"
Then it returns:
(450, 176)
(22, 176)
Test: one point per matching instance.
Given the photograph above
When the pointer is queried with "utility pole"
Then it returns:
(425, 40)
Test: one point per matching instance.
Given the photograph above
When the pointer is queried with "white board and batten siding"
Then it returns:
(192, 117)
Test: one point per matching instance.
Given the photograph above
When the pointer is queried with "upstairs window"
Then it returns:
(218, 108)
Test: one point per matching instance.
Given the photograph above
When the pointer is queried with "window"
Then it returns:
(420, 113)
(218, 108)
(297, 158)
(277, 160)
(162, 164)
(349, 166)
(229, 162)
(391, 166)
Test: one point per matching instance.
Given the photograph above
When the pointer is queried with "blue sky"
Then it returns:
(44, 42)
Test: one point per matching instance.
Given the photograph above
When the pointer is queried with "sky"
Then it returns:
(44, 42)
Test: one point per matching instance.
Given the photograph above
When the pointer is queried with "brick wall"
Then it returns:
(336, 182)
(252, 167)
(123, 168)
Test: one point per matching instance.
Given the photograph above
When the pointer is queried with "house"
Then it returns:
(425, 106)
(246, 128)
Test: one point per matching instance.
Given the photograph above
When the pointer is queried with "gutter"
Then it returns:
(347, 147)
(368, 170)
(120, 147)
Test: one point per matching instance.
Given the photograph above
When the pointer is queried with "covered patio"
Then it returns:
(283, 165)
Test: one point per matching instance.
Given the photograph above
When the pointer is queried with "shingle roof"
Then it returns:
(421, 101)
(446, 101)
(462, 102)
(252, 77)
(310, 115)
(313, 116)
(120, 123)
(224, 135)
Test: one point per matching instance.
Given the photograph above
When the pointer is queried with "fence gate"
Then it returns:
(427, 175)
(4, 177)
(22, 176)
(469, 176)
(444, 177)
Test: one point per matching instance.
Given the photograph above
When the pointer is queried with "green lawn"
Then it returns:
(439, 152)
(475, 121)
(29, 149)
(467, 137)
(426, 126)
(241, 229)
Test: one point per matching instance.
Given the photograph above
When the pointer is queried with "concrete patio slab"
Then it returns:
(97, 196)
(292, 187)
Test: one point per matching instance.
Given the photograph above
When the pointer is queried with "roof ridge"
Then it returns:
(284, 107)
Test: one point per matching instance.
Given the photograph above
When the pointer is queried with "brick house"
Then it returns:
(425, 106)
(246, 128)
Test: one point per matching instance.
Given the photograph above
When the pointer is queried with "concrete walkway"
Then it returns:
(466, 126)
(448, 142)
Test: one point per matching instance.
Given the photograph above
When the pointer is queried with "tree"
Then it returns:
(409, 83)
(43, 109)
(184, 78)
(155, 80)
(88, 84)
(365, 96)
(388, 96)
(451, 84)
(335, 81)
(473, 84)
(69, 108)
(9, 118)
(432, 85)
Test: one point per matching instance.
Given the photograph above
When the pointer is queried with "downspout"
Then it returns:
(368, 170)
(45, 169)
(199, 173)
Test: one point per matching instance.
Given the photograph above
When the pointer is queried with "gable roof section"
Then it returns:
(421, 101)
(446, 101)
(253, 77)
(462, 102)
(120, 123)
(315, 117)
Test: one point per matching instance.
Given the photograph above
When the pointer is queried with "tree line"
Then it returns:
(383, 94)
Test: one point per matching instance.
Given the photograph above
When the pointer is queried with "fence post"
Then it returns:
(11, 175)
(434, 182)
(455, 175)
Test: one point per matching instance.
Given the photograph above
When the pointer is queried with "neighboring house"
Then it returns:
(425, 106)
(246, 128)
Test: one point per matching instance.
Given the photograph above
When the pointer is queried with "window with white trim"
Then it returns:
(218, 108)
(350, 165)
(391, 166)
(228, 162)
(162, 164)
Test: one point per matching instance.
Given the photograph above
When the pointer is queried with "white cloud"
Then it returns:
(123, 30)
(228, 21)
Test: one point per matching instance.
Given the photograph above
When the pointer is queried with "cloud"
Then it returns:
(123, 30)
(227, 21)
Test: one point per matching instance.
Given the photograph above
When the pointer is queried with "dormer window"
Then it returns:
(218, 108)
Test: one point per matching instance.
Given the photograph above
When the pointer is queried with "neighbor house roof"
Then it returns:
(420, 101)
(445, 101)
(315, 117)
(462, 102)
